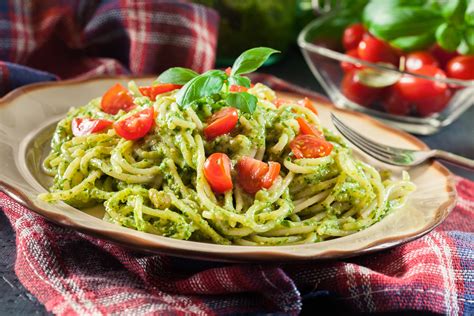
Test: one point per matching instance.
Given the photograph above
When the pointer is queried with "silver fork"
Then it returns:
(397, 156)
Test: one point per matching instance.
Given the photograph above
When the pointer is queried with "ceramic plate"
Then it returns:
(27, 119)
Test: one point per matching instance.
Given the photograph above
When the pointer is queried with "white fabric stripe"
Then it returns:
(351, 283)
(451, 275)
(444, 273)
(41, 259)
(170, 299)
(52, 281)
(366, 285)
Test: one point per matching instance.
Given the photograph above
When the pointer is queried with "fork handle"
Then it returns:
(455, 159)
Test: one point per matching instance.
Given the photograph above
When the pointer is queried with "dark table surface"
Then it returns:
(15, 300)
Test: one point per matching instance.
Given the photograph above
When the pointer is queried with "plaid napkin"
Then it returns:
(74, 274)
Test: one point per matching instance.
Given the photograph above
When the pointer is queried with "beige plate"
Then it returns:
(27, 118)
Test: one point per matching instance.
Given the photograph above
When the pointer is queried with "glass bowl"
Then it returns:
(324, 55)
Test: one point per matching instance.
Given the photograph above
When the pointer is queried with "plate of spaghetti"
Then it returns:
(212, 166)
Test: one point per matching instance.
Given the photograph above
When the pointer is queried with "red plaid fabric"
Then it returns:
(73, 274)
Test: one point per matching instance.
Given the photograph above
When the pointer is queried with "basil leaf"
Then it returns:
(374, 7)
(469, 14)
(448, 37)
(176, 75)
(469, 39)
(415, 42)
(204, 85)
(391, 23)
(251, 60)
(453, 10)
(239, 80)
(243, 101)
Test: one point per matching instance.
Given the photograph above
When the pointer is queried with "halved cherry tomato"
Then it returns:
(352, 36)
(228, 70)
(416, 60)
(217, 172)
(237, 88)
(137, 125)
(221, 122)
(115, 99)
(253, 174)
(86, 126)
(307, 129)
(357, 92)
(310, 146)
(279, 102)
(442, 56)
(271, 175)
(375, 50)
(153, 91)
(307, 103)
(348, 66)
(461, 67)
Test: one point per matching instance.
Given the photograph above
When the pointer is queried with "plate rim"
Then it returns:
(262, 253)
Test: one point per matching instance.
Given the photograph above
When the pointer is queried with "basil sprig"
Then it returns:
(211, 82)
(416, 24)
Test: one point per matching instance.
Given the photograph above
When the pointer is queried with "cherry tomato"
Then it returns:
(279, 102)
(137, 125)
(435, 104)
(153, 91)
(357, 92)
(86, 126)
(308, 129)
(271, 175)
(442, 56)
(228, 70)
(310, 146)
(416, 60)
(348, 66)
(375, 50)
(217, 172)
(428, 96)
(237, 88)
(307, 103)
(352, 36)
(115, 99)
(461, 67)
(221, 122)
(394, 103)
(253, 174)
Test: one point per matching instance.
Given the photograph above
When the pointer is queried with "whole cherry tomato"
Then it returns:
(442, 56)
(352, 36)
(137, 125)
(357, 92)
(115, 99)
(86, 126)
(394, 103)
(416, 60)
(348, 66)
(428, 96)
(461, 67)
(217, 169)
(374, 50)
(221, 122)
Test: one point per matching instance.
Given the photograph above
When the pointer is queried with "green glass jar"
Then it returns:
(250, 23)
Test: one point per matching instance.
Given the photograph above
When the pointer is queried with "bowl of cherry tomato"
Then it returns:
(419, 87)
